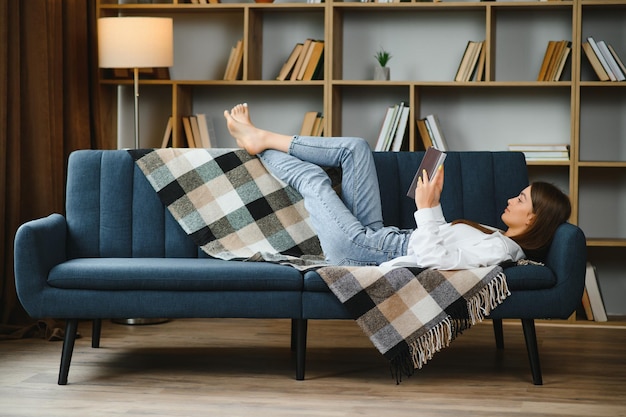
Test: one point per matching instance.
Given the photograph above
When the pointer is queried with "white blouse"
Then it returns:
(438, 244)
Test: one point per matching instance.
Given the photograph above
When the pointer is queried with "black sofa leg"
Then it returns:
(294, 334)
(95, 333)
(498, 333)
(301, 330)
(533, 352)
(71, 327)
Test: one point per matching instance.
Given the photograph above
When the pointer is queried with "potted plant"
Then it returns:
(381, 71)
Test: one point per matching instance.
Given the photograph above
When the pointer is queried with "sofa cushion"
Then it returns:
(175, 274)
(526, 277)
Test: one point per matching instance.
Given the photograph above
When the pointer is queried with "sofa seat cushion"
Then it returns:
(526, 277)
(174, 274)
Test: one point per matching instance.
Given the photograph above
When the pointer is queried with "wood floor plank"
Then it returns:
(238, 367)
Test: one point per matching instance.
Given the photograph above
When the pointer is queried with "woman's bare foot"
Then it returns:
(241, 114)
(247, 136)
(250, 137)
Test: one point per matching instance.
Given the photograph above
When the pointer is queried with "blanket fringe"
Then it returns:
(480, 305)
(423, 349)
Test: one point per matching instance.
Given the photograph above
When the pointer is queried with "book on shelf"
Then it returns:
(554, 60)
(469, 61)
(539, 147)
(619, 61)
(167, 135)
(608, 56)
(393, 128)
(586, 302)
(205, 130)
(301, 58)
(423, 133)
(188, 132)
(546, 60)
(543, 152)
(195, 131)
(318, 126)
(233, 67)
(546, 155)
(595, 296)
(308, 123)
(431, 161)
(595, 62)
(436, 133)
(401, 133)
(314, 62)
(198, 130)
(289, 64)
(561, 61)
(479, 74)
(598, 54)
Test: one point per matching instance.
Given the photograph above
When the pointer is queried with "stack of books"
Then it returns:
(472, 65)
(592, 297)
(305, 63)
(198, 130)
(233, 67)
(543, 152)
(312, 124)
(431, 134)
(393, 129)
(554, 60)
(605, 61)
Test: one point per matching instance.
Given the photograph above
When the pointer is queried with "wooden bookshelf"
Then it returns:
(426, 41)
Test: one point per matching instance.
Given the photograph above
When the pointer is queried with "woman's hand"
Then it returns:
(428, 191)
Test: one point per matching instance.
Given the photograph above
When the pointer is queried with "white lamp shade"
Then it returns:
(135, 42)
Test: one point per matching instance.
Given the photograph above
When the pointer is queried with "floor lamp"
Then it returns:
(135, 42)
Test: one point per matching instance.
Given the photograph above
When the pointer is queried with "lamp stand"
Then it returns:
(136, 94)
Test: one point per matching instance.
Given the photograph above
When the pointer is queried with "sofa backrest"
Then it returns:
(112, 210)
(477, 185)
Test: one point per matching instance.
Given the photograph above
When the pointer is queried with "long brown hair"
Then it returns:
(551, 207)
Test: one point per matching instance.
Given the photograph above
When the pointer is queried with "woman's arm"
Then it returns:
(440, 245)
(428, 190)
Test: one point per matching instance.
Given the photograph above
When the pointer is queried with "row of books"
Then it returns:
(198, 131)
(604, 59)
(312, 124)
(543, 152)
(393, 129)
(557, 53)
(233, 67)
(472, 65)
(305, 62)
(592, 297)
(431, 133)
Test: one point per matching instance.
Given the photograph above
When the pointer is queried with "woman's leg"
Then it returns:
(344, 239)
(359, 183)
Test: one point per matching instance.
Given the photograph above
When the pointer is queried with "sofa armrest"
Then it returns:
(39, 246)
(567, 258)
(564, 269)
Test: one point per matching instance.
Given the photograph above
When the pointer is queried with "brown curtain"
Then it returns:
(48, 108)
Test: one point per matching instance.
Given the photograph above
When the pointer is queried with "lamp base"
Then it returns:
(135, 322)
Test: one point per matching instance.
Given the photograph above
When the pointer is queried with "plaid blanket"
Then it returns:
(409, 314)
(231, 206)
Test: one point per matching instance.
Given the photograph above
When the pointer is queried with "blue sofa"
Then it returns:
(118, 253)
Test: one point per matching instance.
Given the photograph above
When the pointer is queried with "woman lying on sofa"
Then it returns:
(350, 228)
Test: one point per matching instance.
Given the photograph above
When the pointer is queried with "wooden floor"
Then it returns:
(229, 367)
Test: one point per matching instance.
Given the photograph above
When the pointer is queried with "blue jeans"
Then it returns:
(350, 228)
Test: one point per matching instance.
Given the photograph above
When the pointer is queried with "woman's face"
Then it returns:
(518, 214)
